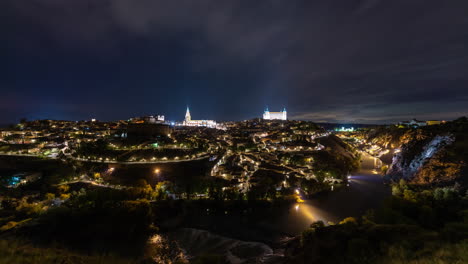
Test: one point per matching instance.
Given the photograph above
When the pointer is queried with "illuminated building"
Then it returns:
(154, 119)
(412, 123)
(148, 119)
(267, 115)
(344, 129)
(434, 122)
(202, 123)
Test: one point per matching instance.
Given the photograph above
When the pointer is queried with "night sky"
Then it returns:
(366, 61)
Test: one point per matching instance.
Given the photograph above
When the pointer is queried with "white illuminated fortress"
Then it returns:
(267, 115)
(202, 123)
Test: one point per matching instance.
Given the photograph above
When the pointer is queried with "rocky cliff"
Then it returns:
(432, 155)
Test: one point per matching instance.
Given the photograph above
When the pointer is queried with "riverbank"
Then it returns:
(274, 224)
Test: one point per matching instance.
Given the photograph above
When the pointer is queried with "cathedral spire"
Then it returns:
(187, 114)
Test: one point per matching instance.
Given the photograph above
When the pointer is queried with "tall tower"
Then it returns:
(285, 114)
(266, 114)
(187, 115)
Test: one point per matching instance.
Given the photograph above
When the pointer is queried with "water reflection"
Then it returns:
(307, 211)
(365, 191)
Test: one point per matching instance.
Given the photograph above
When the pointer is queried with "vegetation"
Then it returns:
(414, 226)
(14, 251)
(110, 221)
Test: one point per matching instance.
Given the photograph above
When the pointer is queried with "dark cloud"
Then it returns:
(347, 60)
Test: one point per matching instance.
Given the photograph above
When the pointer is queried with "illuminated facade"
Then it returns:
(148, 119)
(202, 123)
(434, 122)
(344, 129)
(413, 123)
(267, 115)
(155, 119)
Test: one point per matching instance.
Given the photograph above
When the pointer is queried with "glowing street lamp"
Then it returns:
(157, 170)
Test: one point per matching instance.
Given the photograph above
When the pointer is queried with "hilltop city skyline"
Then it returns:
(280, 114)
(208, 131)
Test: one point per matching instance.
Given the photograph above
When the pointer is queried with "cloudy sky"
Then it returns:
(362, 61)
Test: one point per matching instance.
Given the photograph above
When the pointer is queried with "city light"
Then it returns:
(94, 109)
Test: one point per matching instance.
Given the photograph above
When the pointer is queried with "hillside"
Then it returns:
(430, 155)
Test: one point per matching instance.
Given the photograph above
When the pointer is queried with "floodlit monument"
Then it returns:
(202, 123)
(267, 115)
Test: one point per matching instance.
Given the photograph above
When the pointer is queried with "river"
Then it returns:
(365, 191)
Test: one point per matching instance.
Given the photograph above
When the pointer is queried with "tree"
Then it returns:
(396, 190)
(409, 195)
(141, 183)
(160, 190)
(439, 194)
(63, 188)
(369, 217)
(64, 196)
(165, 251)
(49, 196)
(317, 224)
(349, 220)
